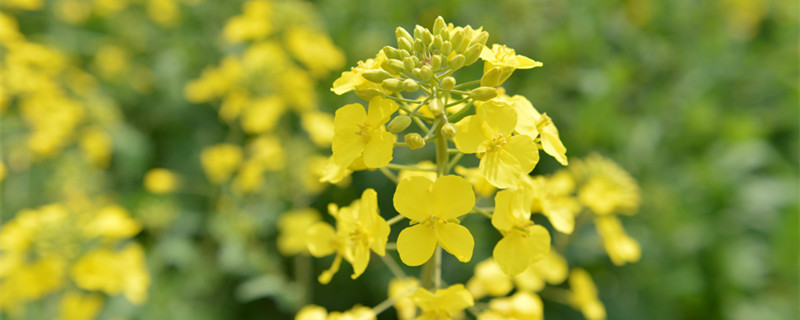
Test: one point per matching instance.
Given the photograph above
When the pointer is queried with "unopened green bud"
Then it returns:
(405, 44)
(399, 123)
(436, 106)
(457, 62)
(419, 46)
(392, 84)
(448, 131)
(402, 33)
(436, 62)
(410, 85)
(368, 94)
(439, 25)
(480, 39)
(394, 66)
(408, 64)
(414, 141)
(376, 75)
(417, 72)
(437, 42)
(416, 60)
(457, 38)
(472, 54)
(427, 37)
(418, 31)
(493, 77)
(391, 53)
(448, 83)
(426, 73)
(447, 47)
(403, 54)
(483, 93)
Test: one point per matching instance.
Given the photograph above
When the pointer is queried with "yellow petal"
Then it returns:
(452, 197)
(523, 62)
(326, 276)
(511, 254)
(359, 259)
(500, 168)
(522, 148)
(526, 116)
(559, 212)
(412, 198)
(552, 144)
(380, 110)
(378, 151)
(500, 117)
(502, 218)
(347, 145)
(380, 237)
(415, 244)
(468, 134)
(321, 239)
(456, 239)
(538, 243)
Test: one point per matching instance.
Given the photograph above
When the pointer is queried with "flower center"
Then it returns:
(496, 143)
(363, 130)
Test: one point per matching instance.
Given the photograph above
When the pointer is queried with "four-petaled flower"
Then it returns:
(500, 62)
(359, 132)
(504, 157)
(523, 242)
(444, 304)
(434, 208)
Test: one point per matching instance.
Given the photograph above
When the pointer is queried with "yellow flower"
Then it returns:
(262, 115)
(553, 198)
(254, 23)
(490, 280)
(165, 13)
(400, 290)
(267, 151)
(219, 161)
(97, 146)
(161, 181)
(319, 126)
(444, 304)
(500, 62)
(250, 177)
(359, 228)
(536, 125)
(523, 242)
(112, 222)
(76, 305)
(292, 226)
(552, 269)
(112, 61)
(122, 272)
(314, 312)
(360, 132)
(620, 247)
(474, 176)
(521, 305)
(431, 175)
(583, 295)
(352, 80)
(434, 208)
(315, 50)
(504, 158)
(608, 188)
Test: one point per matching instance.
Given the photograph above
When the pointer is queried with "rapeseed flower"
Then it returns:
(583, 295)
(500, 62)
(359, 132)
(444, 304)
(523, 242)
(434, 208)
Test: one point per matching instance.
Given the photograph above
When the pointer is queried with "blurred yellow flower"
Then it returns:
(583, 295)
(434, 208)
(444, 304)
(401, 290)
(521, 305)
(552, 269)
(122, 272)
(165, 13)
(97, 146)
(504, 157)
(315, 50)
(254, 23)
(359, 132)
(112, 223)
(161, 181)
(219, 161)
(620, 247)
(262, 115)
(319, 126)
(314, 312)
(292, 228)
(490, 280)
(536, 125)
(76, 305)
(112, 62)
(607, 188)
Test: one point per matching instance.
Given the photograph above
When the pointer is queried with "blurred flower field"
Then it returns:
(195, 159)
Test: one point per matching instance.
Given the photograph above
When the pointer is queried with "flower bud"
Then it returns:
(410, 85)
(394, 66)
(480, 39)
(427, 37)
(368, 94)
(419, 46)
(436, 106)
(408, 64)
(376, 75)
(402, 33)
(448, 83)
(418, 30)
(414, 141)
(426, 73)
(436, 62)
(391, 53)
(493, 77)
(416, 72)
(405, 44)
(447, 47)
(399, 123)
(448, 131)
(472, 54)
(457, 38)
(456, 62)
(437, 42)
(392, 84)
(439, 25)
(403, 54)
(483, 93)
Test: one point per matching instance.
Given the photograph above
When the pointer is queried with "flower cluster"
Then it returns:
(411, 91)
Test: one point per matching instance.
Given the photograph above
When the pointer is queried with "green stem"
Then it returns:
(388, 174)
(481, 212)
(454, 162)
(396, 219)
(467, 84)
(394, 166)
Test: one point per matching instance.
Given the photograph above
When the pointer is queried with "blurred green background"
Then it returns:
(698, 100)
